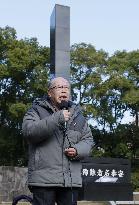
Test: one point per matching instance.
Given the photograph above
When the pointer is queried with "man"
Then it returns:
(58, 137)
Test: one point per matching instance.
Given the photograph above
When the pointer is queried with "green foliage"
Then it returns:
(13, 150)
(122, 150)
(135, 181)
(17, 110)
(107, 86)
(122, 142)
(98, 152)
(86, 63)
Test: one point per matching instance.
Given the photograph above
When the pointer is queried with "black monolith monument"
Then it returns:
(60, 42)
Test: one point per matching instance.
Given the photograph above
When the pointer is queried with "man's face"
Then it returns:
(59, 91)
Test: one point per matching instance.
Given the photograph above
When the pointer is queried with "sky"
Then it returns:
(106, 24)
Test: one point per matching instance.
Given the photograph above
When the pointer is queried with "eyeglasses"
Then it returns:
(60, 87)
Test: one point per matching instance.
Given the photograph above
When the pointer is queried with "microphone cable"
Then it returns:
(64, 105)
(66, 136)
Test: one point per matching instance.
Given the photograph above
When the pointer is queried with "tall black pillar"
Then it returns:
(60, 42)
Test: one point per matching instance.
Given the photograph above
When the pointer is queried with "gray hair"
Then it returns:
(53, 80)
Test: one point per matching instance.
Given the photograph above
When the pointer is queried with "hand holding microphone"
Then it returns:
(66, 114)
(70, 151)
(64, 105)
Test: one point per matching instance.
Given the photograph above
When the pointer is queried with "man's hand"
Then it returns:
(66, 114)
(71, 152)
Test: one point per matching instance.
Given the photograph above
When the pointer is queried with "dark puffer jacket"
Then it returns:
(44, 129)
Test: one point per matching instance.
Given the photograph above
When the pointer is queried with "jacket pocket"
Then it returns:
(39, 163)
(41, 159)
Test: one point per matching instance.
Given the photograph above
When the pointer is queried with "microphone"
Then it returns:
(64, 105)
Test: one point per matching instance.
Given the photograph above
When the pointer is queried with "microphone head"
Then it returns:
(64, 105)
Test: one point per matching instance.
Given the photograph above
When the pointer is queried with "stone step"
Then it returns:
(127, 202)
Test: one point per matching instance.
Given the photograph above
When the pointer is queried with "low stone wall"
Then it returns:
(13, 182)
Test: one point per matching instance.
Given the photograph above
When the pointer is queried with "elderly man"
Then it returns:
(58, 137)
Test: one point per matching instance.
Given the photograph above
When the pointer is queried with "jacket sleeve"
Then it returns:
(36, 129)
(84, 146)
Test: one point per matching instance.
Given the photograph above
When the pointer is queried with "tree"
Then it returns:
(107, 87)
(86, 63)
